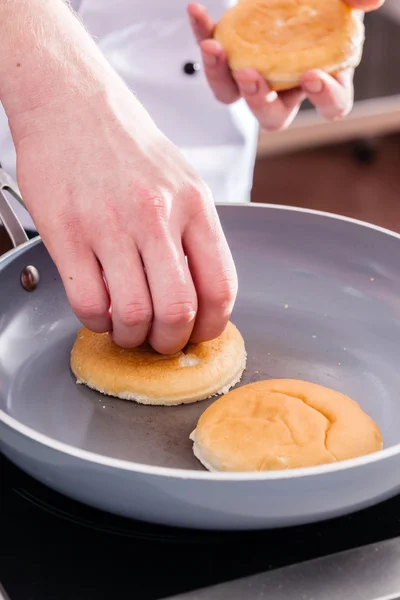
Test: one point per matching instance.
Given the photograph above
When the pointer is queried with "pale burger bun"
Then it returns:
(198, 372)
(282, 39)
(282, 424)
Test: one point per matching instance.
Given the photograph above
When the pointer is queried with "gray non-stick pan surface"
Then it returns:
(319, 300)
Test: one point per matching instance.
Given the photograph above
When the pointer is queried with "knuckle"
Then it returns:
(223, 294)
(198, 196)
(177, 313)
(69, 227)
(68, 237)
(88, 307)
(112, 216)
(153, 202)
(197, 191)
(135, 313)
(154, 210)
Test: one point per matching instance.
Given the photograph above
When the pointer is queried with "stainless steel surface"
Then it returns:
(7, 215)
(30, 278)
(368, 573)
(318, 300)
(7, 182)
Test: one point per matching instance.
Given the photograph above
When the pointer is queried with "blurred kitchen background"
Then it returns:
(350, 167)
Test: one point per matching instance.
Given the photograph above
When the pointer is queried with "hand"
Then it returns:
(110, 194)
(331, 96)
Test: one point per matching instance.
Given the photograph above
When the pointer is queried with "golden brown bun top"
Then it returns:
(141, 373)
(282, 424)
(289, 37)
(147, 362)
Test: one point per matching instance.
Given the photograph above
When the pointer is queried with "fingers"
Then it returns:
(173, 294)
(85, 289)
(273, 111)
(365, 5)
(332, 97)
(131, 306)
(215, 63)
(214, 275)
(218, 73)
(201, 22)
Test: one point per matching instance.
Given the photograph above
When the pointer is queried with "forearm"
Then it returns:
(44, 50)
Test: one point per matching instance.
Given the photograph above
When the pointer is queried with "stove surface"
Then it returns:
(54, 548)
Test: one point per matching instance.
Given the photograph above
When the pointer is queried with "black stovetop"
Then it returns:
(53, 548)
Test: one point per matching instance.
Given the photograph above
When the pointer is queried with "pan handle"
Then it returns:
(8, 217)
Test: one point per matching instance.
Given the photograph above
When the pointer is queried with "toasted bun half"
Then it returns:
(196, 373)
(282, 424)
(282, 39)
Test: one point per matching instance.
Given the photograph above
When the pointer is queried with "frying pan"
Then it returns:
(319, 300)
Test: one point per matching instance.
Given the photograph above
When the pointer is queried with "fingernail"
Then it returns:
(210, 60)
(313, 86)
(271, 97)
(249, 88)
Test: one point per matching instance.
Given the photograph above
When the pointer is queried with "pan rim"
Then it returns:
(252, 205)
(5, 258)
(191, 474)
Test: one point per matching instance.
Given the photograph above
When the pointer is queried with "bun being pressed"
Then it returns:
(282, 424)
(283, 39)
(141, 374)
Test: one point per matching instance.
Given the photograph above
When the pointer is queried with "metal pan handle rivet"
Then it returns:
(30, 278)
